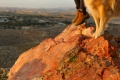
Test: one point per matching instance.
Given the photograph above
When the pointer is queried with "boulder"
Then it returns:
(72, 55)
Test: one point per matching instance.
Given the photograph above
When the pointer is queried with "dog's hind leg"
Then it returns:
(103, 21)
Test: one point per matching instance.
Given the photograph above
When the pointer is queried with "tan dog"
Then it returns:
(102, 11)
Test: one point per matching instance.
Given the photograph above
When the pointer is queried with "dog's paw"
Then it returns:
(93, 35)
(97, 34)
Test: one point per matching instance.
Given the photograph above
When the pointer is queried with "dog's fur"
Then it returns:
(102, 11)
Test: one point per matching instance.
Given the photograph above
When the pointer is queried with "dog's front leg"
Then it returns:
(97, 23)
(103, 21)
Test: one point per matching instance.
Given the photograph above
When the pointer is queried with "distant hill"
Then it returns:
(37, 11)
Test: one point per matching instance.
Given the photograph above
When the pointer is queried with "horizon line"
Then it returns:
(37, 7)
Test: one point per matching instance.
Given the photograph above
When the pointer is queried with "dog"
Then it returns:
(102, 11)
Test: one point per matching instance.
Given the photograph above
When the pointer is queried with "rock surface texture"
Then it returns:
(72, 55)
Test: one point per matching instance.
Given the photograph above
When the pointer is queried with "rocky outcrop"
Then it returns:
(72, 55)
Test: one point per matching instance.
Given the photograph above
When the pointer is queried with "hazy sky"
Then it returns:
(37, 3)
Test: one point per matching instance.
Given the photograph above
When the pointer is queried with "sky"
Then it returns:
(37, 3)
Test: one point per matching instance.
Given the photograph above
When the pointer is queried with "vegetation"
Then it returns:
(12, 20)
(73, 58)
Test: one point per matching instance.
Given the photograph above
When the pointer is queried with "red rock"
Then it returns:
(111, 73)
(99, 46)
(46, 56)
(69, 56)
(86, 32)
